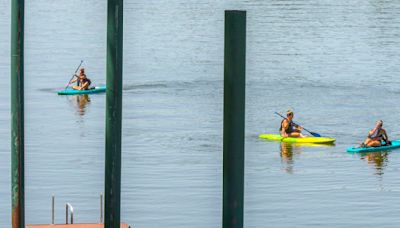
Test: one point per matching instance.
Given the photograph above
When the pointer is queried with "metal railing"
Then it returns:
(71, 209)
(101, 208)
(52, 209)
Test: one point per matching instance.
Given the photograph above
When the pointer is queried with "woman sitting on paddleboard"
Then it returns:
(288, 128)
(82, 81)
(376, 136)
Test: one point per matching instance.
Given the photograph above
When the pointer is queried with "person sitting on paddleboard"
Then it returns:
(81, 80)
(376, 137)
(288, 128)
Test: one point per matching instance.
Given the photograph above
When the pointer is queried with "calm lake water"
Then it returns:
(335, 63)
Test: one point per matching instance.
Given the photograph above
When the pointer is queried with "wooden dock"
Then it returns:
(72, 226)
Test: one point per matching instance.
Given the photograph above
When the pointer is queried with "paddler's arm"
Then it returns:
(72, 81)
(371, 132)
(385, 136)
(298, 127)
(84, 85)
(284, 127)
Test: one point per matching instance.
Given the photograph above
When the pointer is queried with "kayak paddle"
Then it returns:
(74, 74)
(312, 133)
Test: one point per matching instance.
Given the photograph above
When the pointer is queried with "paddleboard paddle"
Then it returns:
(74, 74)
(312, 133)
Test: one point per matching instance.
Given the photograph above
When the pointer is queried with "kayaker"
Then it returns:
(376, 137)
(288, 128)
(82, 82)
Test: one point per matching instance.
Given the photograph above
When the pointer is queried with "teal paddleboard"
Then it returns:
(395, 144)
(70, 91)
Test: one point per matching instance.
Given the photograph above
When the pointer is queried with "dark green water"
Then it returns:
(335, 63)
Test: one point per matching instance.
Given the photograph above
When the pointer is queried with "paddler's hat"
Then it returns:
(289, 112)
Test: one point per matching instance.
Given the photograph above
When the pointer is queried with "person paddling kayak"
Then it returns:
(82, 82)
(290, 129)
(376, 136)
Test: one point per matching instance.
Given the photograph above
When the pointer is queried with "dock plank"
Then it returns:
(72, 226)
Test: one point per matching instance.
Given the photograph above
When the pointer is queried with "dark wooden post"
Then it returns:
(112, 191)
(234, 117)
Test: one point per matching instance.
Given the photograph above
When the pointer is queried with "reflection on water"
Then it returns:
(378, 159)
(287, 156)
(80, 103)
(290, 150)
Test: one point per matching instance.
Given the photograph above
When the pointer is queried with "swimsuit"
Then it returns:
(291, 127)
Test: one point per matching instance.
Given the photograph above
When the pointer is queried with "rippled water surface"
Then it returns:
(335, 63)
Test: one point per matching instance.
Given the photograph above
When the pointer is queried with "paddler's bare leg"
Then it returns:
(77, 87)
(295, 135)
(373, 143)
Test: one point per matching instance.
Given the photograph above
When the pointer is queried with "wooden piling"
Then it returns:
(17, 114)
(112, 191)
(234, 117)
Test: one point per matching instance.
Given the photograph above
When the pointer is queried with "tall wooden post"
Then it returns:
(234, 117)
(112, 191)
(17, 114)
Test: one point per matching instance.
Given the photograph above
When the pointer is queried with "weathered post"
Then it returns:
(112, 191)
(17, 114)
(234, 117)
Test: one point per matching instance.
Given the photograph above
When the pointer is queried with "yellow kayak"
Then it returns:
(297, 140)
